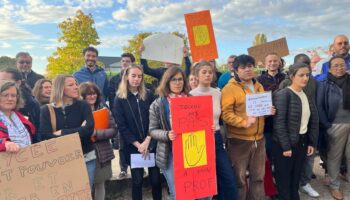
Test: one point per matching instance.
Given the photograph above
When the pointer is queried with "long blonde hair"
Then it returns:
(124, 84)
(57, 92)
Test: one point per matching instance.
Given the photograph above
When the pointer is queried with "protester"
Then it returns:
(92, 72)
(340, 48)
(42, 91)
(24, 64)
(103, 147)
(226, 180)
(333, 101)
(31, 107)
(294, 133)
(224, 78)
(132, 115)
(66, 114)
(192, 81)
(173, 85)
(310, 90)
(15, 130)
(245, 139)
(270, 80)
(118, 142)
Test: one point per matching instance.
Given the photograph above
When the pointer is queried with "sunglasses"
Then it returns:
(25, 62)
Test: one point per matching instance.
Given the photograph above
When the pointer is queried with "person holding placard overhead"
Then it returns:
(131, 110)
(245, 143)
(295, 131)
(227, 188)
(105, 130)
(67, 114)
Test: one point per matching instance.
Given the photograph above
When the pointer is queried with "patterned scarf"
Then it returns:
(16, 129)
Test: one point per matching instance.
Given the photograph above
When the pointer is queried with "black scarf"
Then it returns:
(343, 83)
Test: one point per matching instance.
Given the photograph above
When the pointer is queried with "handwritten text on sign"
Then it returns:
(258, 104)
(53, 169)
(193, 148)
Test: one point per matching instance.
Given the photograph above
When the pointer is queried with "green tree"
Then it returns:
(77, 33)
(133, 47)
(259, 39)
(7, 62)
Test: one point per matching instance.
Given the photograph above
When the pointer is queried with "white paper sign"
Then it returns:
(258, 104)
(137, 161)
(164, 47)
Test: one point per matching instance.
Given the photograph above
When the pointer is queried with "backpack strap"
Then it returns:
(52, 117)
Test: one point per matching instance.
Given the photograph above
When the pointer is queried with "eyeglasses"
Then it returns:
(177, 80)
(6, 96)
(339, 65)
(25, 62)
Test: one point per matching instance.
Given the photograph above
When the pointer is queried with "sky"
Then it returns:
(32, 25)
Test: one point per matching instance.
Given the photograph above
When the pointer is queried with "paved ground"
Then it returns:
(122, 188)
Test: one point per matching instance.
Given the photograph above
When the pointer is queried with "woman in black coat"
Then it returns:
(295, 132)
(131, 110)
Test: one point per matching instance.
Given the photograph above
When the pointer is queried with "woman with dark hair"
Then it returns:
(333, 103)
(67, 114)
(172, 85)
(103, 147)
(131, 109)
(42, 91)
(15, 130)
(204, 73)
(294, 133)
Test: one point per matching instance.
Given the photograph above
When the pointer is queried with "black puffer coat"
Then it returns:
(287, 120)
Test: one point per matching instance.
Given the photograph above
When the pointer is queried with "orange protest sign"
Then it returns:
(193, 148)
(201, 36)
(101, 118)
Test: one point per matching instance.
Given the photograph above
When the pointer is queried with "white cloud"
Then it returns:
(90, 4)
(11, 31)
(5, 45)
(114, 41)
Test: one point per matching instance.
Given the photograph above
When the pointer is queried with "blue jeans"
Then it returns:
(91, 166)
(227, 186)
(169, 176)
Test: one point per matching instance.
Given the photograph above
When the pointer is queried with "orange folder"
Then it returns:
(101, 118)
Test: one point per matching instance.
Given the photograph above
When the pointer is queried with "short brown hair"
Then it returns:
(87, 88)
(5, 85)
(164, 86)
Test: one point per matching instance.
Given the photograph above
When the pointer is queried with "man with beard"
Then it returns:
(341, 48)
(91, 72)
(24, 65)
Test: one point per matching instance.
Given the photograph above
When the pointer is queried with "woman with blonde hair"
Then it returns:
(67, 114)
(42, 91)
(15, 130)
(131, 109)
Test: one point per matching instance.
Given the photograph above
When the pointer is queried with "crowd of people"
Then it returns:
(255, 156)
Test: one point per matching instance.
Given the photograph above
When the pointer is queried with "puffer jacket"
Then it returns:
(287, 120)
(159, 128)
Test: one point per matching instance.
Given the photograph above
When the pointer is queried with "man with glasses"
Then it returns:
(340, 48)
(224, 78)
(245, 138)
(24, 65)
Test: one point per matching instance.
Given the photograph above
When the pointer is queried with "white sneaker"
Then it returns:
(307, 189)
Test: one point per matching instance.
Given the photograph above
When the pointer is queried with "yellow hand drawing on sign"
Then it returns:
(201, 35)
(194, 149)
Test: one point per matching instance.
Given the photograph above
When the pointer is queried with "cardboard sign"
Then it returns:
(194, 147)
(53, 169)
(259, 104)
(101, 118)
(201, 36)
(259, 52)
(164, 47)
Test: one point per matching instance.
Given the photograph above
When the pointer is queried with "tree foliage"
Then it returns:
(77, 33)
(7, 62)
(133, 47)
(260, 38)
